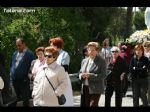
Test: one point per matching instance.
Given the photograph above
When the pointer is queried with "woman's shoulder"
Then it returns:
(120, 60)
(63, 52)
(59, 67)
(34, 61)
(145, 58)
(100, 58)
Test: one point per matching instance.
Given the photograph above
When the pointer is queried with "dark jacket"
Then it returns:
(117, 69)
(139, 68)
(95, 81)
(21, 72)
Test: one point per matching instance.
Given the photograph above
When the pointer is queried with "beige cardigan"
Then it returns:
(43, 94)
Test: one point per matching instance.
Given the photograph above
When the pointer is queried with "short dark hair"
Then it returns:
(39, 49)
(104, 42)
(21, 39)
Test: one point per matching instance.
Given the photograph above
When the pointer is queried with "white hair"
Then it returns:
(115, 48)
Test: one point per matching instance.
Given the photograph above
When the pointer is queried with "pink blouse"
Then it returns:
(38, 65)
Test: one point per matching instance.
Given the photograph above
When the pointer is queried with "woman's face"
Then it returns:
(115, 54)
(92, 52)
(146, 49)
(138, 52)
(107, 42)
(40, 55)
(49, 58)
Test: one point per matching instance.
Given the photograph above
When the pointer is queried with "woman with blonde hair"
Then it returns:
(92, 73)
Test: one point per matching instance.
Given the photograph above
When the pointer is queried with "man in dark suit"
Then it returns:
(20, 65)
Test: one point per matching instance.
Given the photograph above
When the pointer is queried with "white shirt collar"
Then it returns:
(52, 65)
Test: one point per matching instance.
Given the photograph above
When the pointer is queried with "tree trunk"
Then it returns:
(128, 22)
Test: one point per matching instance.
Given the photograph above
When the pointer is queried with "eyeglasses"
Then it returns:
(91, 50)
(49, 56)
(114, 51)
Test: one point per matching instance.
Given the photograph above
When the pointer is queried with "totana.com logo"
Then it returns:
(18, 10)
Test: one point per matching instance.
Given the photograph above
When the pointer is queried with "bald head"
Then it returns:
(20, 44)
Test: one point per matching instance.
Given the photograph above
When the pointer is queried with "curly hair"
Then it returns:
(54, 52)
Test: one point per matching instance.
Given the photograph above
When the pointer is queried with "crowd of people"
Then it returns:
(103, 71)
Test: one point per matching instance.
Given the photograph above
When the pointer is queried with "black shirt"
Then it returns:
(139, 67)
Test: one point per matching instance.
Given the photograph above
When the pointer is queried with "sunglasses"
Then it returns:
(49, 56)
(114, 51)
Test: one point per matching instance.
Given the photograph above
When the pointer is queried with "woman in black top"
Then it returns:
(138, 68)
(117, 69)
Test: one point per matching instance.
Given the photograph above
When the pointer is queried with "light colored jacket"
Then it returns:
(43, 94)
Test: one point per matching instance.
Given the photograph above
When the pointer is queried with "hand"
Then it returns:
(144, 66)
(85, 75)
(33, 77)
(122, 76)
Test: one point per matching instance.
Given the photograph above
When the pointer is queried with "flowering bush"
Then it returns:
(139, 36)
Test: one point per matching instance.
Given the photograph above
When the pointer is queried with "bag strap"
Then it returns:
(49, 80)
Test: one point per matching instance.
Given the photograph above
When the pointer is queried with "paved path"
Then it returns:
(126, 102)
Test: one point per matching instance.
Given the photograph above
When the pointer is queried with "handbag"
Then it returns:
(62, 98)
(108, 76)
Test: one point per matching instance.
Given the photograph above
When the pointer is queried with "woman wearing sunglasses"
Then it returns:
(63, 59)
(117, 69)
(43, 93)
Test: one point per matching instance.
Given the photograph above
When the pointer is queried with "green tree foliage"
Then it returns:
(116, 29)
(39, 26)
(76, 25)
(139, 20)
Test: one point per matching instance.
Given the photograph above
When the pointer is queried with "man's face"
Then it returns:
(20, 46)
